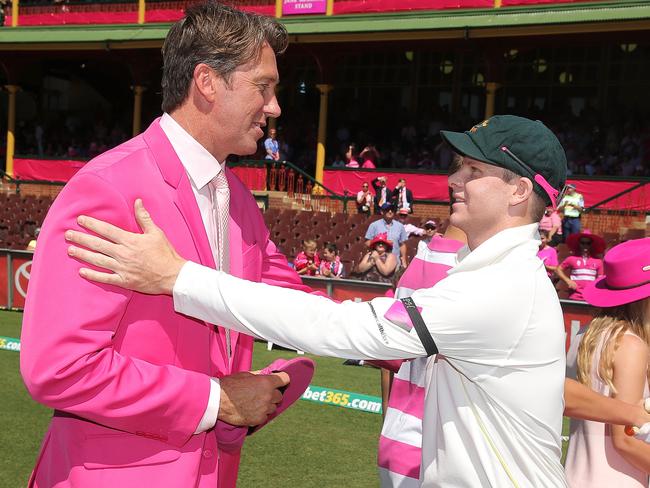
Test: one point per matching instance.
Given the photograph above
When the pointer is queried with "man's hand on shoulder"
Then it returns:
(145, 262)
(248, 399)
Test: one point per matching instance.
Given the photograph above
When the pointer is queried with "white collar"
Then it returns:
(201, 166)
(492, 250)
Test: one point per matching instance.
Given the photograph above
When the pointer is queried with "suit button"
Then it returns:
(207, 454)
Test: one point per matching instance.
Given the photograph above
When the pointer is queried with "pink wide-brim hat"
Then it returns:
(598, 244)
(300, 371)
(626, 278)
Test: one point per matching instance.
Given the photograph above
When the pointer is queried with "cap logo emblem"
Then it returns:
(482, 124)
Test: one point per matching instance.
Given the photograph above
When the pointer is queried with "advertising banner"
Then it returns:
(15, 269)
(300, 7)
(340, 398)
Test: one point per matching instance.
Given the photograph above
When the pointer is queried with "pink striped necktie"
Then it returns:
(220, 195)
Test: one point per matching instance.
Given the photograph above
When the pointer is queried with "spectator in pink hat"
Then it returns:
(613, 360)
(379, 263)
(584, 266)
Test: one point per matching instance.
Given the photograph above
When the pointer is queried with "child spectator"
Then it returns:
(613, 360)
(547, 254)
(330, 265)
(307, 262)
(584, 265)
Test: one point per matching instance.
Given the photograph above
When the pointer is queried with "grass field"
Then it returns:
(310, 445)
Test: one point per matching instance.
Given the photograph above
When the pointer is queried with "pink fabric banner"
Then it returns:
(595, 191)
(46, 169)
(368, 6)
(122, 14)
(427, 186)
(424, 186)
(505, 3)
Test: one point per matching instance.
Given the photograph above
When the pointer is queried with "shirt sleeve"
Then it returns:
(403, 236)
(371, 232)
(209, 418)
(464, 321)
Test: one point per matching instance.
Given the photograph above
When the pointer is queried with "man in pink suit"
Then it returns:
(144, 395)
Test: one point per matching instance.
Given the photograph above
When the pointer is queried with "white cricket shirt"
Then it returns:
(494, 394)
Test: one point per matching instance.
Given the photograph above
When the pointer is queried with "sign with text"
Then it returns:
(298, 7)
(15, 270)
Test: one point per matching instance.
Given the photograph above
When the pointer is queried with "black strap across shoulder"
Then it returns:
(423, 333)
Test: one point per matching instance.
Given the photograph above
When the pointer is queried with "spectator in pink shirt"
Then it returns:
(351, 157)
(584, 266)
(370, 155)
(552, 223)
(547, 254)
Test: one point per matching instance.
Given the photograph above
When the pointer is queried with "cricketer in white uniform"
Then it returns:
(493, 408)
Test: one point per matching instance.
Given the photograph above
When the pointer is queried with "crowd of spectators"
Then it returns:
(615, 147)
(71, 138)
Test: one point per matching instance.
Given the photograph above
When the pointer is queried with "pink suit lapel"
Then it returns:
(174, 174)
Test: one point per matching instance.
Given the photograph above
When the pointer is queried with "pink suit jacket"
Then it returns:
(128, 377)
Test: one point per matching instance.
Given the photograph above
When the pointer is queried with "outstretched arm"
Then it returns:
(582, 402)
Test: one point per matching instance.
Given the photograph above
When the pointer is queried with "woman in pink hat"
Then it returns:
(585, 265)
(379, 263)
(613, 360)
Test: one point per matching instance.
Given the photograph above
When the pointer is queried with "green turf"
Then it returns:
(310, 445)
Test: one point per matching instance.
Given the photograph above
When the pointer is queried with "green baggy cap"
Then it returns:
(508, 141)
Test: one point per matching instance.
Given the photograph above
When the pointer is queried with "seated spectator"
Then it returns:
(331, 265)
(411, 230)
(370, 156)
(338, 162)
(547, 254)
(394, 231)
(307, 261)
(430, 229)
(351, 157)
(378, 264)
(364, 200)
(31, 246)
(552, 223)
(584, 265)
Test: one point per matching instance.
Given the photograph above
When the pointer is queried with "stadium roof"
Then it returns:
(610, 16)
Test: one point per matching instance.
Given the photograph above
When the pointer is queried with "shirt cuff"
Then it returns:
(212, 410)
(185, 278)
